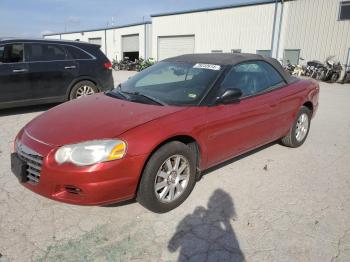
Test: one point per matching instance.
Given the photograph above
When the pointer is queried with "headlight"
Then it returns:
(91, 152)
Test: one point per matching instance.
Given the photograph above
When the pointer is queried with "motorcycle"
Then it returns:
(314, 69)
(143, 64)
(331, 71)
(115, 65)
(289, 67)
(299, 70)
(295, 70)
(346, 77)
(336, 72)
(125, 64)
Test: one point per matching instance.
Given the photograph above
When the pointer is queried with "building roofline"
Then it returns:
(99, 29)
(257, 2)
(44, 40)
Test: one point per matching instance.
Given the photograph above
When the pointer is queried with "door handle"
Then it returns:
(20, 70)
(69, 67)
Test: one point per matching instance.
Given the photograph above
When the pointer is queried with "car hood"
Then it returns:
(94, 117)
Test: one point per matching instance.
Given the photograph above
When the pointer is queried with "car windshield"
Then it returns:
(171, 83)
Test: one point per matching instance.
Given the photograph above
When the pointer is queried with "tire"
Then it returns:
(321, 76)
(115, 67)
(334, 78)
(292, 139)
(347, 78)
(157, 173)
(78, 89)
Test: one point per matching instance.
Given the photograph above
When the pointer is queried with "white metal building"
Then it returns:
(132, 40)
(284, 29)
(245, 28)
(316, 29)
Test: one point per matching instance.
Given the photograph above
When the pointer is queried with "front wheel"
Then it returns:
(168, 178)
(300, 129)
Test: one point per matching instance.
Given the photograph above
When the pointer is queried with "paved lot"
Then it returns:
(277, 204)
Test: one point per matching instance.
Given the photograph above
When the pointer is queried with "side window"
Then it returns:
(344, 10)
(274, 77)
(37, 52)
(76, 53)
(252, 78)
(55, 52)
(2, 49)
(11, 53)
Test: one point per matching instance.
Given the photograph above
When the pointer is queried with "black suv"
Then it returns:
(49, 71)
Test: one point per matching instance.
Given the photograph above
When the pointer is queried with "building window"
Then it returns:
(96, 41)
(291, 56)
(264, 52)
(235, 51)
(344, 10)
(216, 51)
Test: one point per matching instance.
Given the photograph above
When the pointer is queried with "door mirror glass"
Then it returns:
(230, 95)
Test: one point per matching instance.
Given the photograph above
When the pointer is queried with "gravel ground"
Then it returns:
(275, 204)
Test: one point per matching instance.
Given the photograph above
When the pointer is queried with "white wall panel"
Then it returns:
(174, 46)
(52, 37)
(248, 28)
(114, 40)
(111, 39)
(313, 27)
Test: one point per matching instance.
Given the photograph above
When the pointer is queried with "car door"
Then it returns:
(50, 72)
(14, 79)
(236, 128)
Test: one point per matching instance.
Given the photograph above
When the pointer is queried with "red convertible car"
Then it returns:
(153, 135)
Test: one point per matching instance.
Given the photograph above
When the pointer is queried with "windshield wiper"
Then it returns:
(153, 99)
(117, 94)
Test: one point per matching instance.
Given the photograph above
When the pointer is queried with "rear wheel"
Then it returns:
(334, 77)
(300, 129)
(168, 178)
(82, 89)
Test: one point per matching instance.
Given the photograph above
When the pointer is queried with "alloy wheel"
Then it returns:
(84, 90)
(172, 178)
(302, 127)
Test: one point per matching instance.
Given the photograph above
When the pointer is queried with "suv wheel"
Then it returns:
(83, 88)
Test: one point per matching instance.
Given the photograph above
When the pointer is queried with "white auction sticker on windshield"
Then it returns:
(207, 66)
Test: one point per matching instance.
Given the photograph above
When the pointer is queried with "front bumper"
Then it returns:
(99, 184)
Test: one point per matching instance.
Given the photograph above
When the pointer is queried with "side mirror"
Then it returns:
(230, 95)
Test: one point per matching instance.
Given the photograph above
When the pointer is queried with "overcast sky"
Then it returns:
(26, 18)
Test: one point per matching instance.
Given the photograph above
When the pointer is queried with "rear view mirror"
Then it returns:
(230, 95)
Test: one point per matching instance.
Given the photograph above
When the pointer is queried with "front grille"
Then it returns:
(33, 160)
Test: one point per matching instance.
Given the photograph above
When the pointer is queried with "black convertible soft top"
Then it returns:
(231, 59)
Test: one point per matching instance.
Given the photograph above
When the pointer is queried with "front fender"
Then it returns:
(146, 138)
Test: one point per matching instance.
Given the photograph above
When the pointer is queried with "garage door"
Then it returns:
(96, 41)
(175, 45)
(130, 43)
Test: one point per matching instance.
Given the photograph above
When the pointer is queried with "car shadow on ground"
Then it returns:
(122, 203)
(205, 172)
(207, 234)
(235, 159)
(26, 109)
